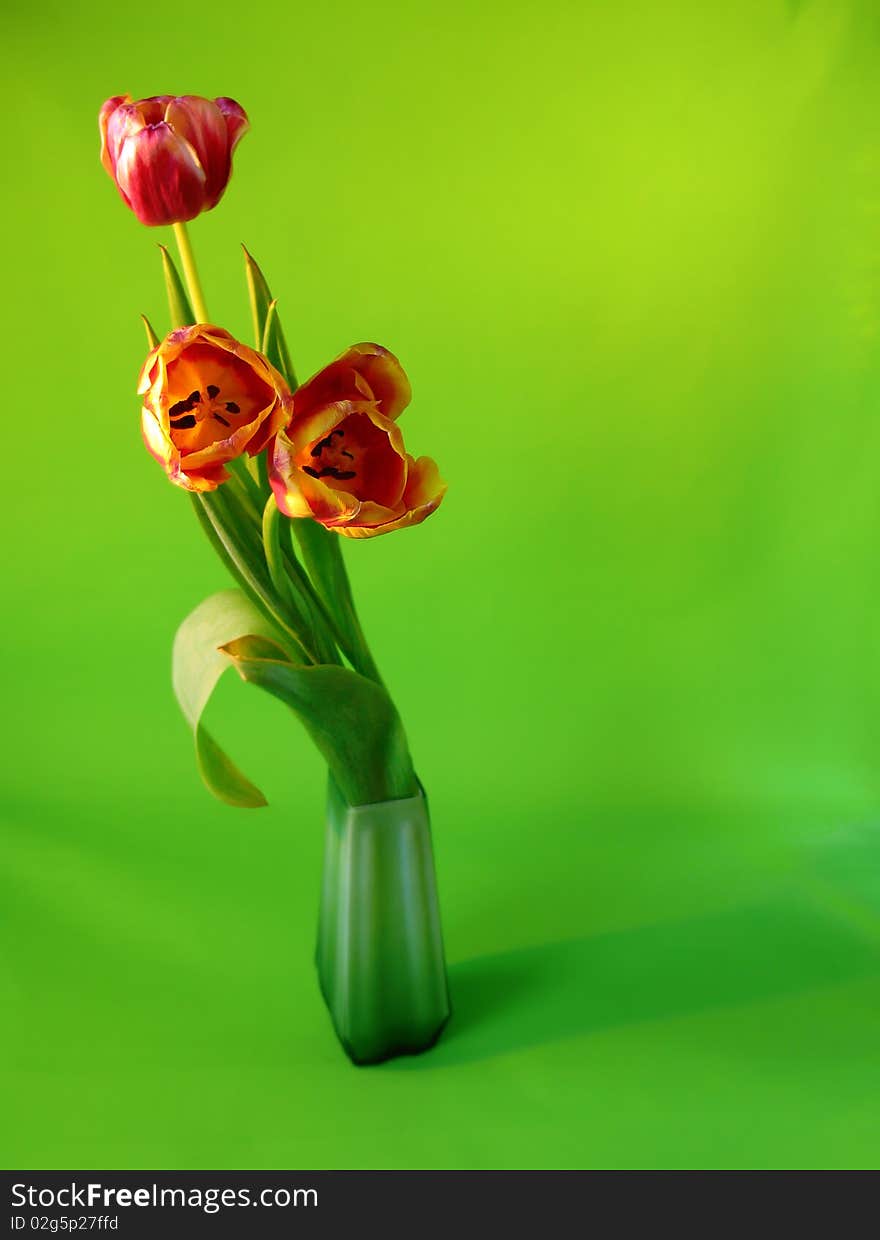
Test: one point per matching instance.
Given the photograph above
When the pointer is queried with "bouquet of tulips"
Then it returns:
(276, 473)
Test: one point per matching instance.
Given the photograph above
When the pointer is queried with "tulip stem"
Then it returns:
(323, 620)
(290, 589)
(237, 553)
(190, 272)
(322, 556)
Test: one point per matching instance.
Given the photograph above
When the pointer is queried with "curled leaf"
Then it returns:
(197, 664)
(352, 720)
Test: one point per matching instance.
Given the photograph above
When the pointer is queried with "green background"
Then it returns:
(628, 254)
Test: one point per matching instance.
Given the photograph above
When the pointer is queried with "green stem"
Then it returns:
(303, 583)
(191, 274)
(260, 539)
(261, 460)
(272, 548)
(258, 472)
(322, 556)
(247, 487)
(327, 635)
(220, 547)
(241, 557)
(292, 584)
(231, 559)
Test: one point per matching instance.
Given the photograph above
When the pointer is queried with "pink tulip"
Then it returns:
(171, 157)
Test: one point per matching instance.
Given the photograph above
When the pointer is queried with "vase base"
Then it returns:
(398, 1048)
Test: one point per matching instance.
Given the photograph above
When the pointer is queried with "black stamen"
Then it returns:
(350, 455)
(194, 398)
(326, 443)
(212, 390)
(232, 407)
(220, 418)
(186, 423)
(183, 406)
(330, 471)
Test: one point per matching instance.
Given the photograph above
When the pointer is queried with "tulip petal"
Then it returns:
(304, 496)
(237, 123)
(153, 108)
(371, 515)
(424, 491)
(270, 427)
(391, 429)
(124, 122)
(230, 447)
(332, 384)
(150, 372)
(202, 124)
(201, 480)
(107, 109)
(346, 377)
(377, 457)
(306, 429)
(385, 375)
(158, 443)
(424, 486)
(160, 175)
(298, 494)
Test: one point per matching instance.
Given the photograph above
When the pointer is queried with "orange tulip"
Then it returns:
(341, 458)
(171, 157)
(208, 399)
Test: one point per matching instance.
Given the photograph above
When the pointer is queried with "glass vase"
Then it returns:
(380, 951)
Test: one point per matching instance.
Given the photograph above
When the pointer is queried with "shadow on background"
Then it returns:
(524, 998)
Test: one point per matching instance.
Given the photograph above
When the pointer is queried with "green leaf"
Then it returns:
(271, 314)
(260, 297)
(178, 302)
(152, 338)
(197, 664)
(352, 720)
(271, 341)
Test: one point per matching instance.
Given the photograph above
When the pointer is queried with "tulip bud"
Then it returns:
(171, 158)
(341, 458)
(208, 399)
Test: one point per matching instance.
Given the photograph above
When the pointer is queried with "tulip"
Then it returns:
(208, 399)
(341, 457)
(171, 157)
